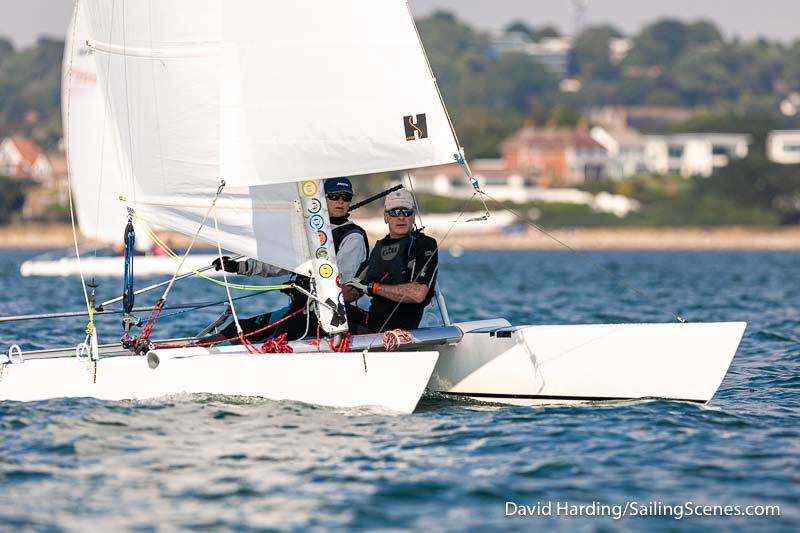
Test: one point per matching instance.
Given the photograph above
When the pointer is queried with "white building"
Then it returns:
(783, 146)
(618, 49)
(626, 150)
(694, 154)
(552, 52)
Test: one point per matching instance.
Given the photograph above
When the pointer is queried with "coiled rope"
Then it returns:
(392, 339)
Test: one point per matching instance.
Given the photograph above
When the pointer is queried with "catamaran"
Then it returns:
(221, 122)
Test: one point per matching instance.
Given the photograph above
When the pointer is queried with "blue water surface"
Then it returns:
(223, 463)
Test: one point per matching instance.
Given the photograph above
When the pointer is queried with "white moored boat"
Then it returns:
(113, 266)
(272, 97)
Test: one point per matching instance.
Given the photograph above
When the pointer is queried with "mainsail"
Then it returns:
(261, 94)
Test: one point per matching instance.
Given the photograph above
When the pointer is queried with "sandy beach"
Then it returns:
(727, 238)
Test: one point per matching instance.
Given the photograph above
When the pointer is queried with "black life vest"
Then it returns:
(343, 230)
(397, 260)
(393, 261)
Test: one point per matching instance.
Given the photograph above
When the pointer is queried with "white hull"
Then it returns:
(487, 361)
(391, 381)
(535, 365)
(114, 266)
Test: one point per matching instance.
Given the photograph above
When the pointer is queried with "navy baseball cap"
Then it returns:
(333, 185)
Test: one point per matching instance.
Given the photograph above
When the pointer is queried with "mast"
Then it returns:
(327, 284)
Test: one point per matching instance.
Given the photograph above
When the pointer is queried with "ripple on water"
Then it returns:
(219, 462)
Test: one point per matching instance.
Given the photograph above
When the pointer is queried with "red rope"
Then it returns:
(276, 345)
(155, 312)
(246, 335)
(247, 344)
(344, 346)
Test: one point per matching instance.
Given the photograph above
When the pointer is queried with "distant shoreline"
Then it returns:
(41, 236)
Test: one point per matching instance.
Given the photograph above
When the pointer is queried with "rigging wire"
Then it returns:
(439, 295)
(459, 156)
(246, 335)
(90, 329)
(239, 331)
(142, 342)
(106, 107)
(127, 96)
(101, 161)
(608, 271)
(414, 195)
(171, 253)
(160, 143)
(194, 238)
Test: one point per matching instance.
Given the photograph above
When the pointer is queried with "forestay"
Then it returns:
(261, 94)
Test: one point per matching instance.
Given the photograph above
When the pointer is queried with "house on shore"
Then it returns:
(694, 154)
(21, 158)
(45, 175)
(537, 164)
(626, 149)
(688, 154)
(555, 156)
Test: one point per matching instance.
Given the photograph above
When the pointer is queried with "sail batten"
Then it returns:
(175, 51)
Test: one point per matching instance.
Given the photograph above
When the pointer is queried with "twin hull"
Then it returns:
(486, 360)
(533, 365)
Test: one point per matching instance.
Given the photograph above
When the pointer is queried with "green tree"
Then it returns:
(664, 41)
(459, 57)
(30, 89)
(533, 34)
(519, 26)
(481, 130)
(12, 198)
(6, 48)
(757, 182)
(546, 32)
(591, 58)
(516, 81)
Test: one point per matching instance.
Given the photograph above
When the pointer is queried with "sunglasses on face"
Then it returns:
(400, 212)
(336, 196)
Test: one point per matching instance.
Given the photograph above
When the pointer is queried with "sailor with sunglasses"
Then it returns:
(352, 248)
(401, 272)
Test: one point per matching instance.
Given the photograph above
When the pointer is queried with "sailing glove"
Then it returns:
(358, 285)
(227, 263)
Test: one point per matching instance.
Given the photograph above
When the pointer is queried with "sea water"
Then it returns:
(224, 463)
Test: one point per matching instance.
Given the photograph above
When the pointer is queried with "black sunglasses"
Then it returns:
(400, 212)
(336, 196)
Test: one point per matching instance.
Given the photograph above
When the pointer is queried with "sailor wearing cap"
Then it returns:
(401, 272)
(349, 239)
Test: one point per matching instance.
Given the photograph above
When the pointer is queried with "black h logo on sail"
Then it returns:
(415, 129)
